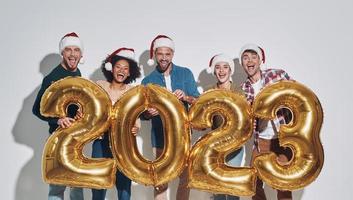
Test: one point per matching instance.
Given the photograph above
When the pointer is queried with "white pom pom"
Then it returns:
(108, 66)
(81, 61)
(210, 70)
(150, 62)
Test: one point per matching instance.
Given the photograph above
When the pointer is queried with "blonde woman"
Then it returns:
(222, 67)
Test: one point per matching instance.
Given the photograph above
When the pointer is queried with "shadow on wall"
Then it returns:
(239, 75)
(97, 74)
(146, 69)
(32, 132)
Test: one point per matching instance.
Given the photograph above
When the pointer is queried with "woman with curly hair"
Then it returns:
(120, 69)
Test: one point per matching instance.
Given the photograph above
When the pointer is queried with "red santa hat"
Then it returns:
(71, 39)
(255, 48)
(160, 41)
(220, 58)
(128, 53)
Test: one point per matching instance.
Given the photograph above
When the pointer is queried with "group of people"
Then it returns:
(120, 69)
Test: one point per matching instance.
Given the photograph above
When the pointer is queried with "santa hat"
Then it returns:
(255, 48)
(160, 41)
(220, 58)
(128, 53)
(71, 39)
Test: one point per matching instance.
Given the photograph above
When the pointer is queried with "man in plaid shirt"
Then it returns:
(266, 132)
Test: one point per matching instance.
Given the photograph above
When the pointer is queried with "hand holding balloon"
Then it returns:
(63, 161)
(301, 135)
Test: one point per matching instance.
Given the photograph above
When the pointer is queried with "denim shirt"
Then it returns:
(181, 78)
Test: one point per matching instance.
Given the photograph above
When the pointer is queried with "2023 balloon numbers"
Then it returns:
(64, 162)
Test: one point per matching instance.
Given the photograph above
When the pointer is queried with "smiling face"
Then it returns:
(121, 71)
(164, 57)
(222, 72)
(71, 57)
(251, 63)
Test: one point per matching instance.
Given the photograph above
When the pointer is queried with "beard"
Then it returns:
(164, 66)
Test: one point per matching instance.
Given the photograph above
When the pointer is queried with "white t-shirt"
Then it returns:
(269, 132)
(168, 83)
(257, 86)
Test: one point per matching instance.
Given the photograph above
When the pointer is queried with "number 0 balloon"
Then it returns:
(176, 130)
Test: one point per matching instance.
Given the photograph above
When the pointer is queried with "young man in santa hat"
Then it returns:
(120, 69)
(266, 132)
(71, 49)
(178, 80)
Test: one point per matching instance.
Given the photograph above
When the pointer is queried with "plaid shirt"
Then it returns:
(268, 77)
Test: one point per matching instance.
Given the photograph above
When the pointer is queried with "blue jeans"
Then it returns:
(233, 159)
(101, 149)
(56, 192)
(224, 197)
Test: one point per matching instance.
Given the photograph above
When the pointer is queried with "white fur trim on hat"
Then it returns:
(70, 39)
(128, 53)
(220, 58)
(255, 48)
(159, 41)
(163, 42)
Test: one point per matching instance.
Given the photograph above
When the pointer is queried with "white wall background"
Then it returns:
(311, 40)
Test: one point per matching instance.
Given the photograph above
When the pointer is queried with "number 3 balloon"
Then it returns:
(301, 135)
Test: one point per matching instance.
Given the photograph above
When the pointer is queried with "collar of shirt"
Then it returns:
(268, 76)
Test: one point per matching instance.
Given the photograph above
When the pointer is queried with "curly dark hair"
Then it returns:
(134, 69)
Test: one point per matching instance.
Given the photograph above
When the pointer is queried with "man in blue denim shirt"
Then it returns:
(178, 80)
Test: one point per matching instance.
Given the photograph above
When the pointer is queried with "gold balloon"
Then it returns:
(207, 168)
(301, 135)
(63, 161)
(176, 135)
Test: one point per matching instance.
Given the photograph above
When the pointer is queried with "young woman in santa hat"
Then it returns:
(222, 67)
(120, 69)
